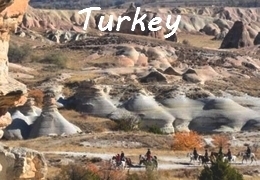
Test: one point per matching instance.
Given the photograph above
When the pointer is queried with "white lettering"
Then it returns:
(138, 21)
(152, 25)
(109, 25)
(174, 27)
(155, 21)
(88, 11)
(120, 20)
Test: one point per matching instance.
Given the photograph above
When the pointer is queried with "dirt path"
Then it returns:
(165, 162)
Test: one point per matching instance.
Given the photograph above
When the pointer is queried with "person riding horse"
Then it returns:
(118, 159)
(148, 155)
(248, 151)
(122, 156)
(206, 155)
(195, 153)
(229, 155)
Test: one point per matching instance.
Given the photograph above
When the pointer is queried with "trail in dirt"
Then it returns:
(165, 162)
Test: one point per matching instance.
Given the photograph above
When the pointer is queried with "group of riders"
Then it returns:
(228, 154)
(121, 157)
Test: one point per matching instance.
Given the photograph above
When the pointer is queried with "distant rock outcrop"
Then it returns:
(51, 122)
(21, 164)
(257, 39)
(237, 37)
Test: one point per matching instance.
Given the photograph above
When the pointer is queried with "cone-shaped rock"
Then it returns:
(222, 114)
(94, 100)
(237, 37)
(51, 121)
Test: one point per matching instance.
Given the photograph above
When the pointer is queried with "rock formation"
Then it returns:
(11, 91)
(51, 122)
(22, 119)
(237, 37)
(21, 164)
(257, 39)
(94, 100)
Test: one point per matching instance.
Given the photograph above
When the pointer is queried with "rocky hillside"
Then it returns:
(66, 25)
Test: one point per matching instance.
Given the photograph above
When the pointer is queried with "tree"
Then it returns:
(187, 141)
(220, 170)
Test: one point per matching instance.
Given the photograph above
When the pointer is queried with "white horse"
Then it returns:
(233, 158)
(117, 165)
(192, 158)
(246, 157)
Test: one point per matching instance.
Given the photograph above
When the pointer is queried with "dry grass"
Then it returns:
(78, 77)
(199, 40)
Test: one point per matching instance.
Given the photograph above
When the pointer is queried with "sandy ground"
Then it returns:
(164, 162)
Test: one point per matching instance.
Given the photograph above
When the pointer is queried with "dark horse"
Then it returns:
(153, 163)
(203, 159)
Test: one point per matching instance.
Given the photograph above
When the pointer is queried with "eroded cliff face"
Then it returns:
(12, 92)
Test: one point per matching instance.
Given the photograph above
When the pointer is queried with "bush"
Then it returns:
(56, 58)
(186, 141)
(18, 54)
(220, 170)
(186, 42)
(155, 129)
(78, 172)
(147, 175)
(37, 94)
(128, 123)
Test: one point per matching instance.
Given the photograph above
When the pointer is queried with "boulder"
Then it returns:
(22, 164)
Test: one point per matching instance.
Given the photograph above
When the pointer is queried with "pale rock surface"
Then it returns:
(95, 100)
(150, 112)
(22, 164)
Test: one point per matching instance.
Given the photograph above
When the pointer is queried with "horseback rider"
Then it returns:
(220, 151)
(148, 155)
(248, 151)
(122, 156)
(206, 155)
(229, 155)
(118, 159)
(195, 153)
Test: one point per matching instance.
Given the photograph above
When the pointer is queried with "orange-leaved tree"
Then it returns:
(220, 140)
(183, 141)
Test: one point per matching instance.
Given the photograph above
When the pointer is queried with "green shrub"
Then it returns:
(56, 58)
(128, 123)
(220, 170)
(155, 129)
(18, 54)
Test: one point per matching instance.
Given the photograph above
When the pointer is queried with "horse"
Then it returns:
(117, 165)
(233, 158)
(151, 164)
(203, 159)
(192, 158)
(245, 157)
